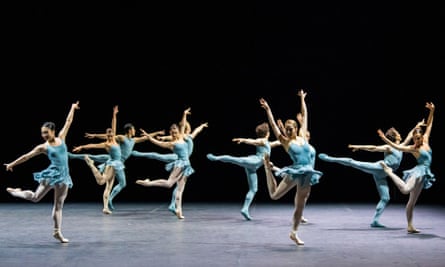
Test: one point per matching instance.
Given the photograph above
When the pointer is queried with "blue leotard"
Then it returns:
(58, 171)
(422, 169)
(301, 168)
(181, 149)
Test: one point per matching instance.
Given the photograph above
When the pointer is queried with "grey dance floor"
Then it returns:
(147, 234)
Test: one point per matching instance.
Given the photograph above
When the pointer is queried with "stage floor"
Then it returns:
(147, 234)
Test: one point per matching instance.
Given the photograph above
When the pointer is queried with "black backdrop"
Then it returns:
(364, 67)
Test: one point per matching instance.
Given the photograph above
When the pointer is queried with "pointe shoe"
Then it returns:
(211, 157)
(303, 220)
(12, 190)
(293, 236)
(107, 211)
(323, 156)
(376, 224)
(179, 214)
(246, 215)
(58, 235)
(143, 182)
(89, 161)
(413, 230)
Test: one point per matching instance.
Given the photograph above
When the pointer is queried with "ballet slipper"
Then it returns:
(179, 214)
(246, 214)
(11, 190)
(323, 156)
(376, 224)
(412, 230)
(294, 237)
(107, 211)
(211, 157)
(89, 161)
(303, 220)
(143, 182)
(58, 235)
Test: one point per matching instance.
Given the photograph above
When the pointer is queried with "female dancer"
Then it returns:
(179, 169)
(56, 176)
(300, 174)
(114, 166)
(419, 177)
(250, 163)
(169, 157)
(190, 142)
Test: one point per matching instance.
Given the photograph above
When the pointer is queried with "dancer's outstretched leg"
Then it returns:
(36, 196)
(250, 162)
(174, 176)
(154, 155)
(101, 158)
(373, 168)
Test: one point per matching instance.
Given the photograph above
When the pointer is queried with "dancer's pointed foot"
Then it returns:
(412, 230)
(293, 235)
(211, 157)
(385, 167)
(179, 214)
(376, 224)
(323, 156)
(246, 214)
(58, 235)
(89, 161)
(143, 182)
(303, 220)
(107, 211)
(172, 208)
(13, 190)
